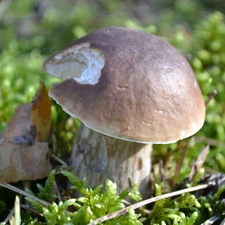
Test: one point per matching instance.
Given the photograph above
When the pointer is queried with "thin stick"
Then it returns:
(180, 162)
(211, 96)
(145, 202)
(58, 160)
(6, 220)
(27, 207)
(223, 222)
(211, 220)
(17, 190)
(210, 141)
(199, 163)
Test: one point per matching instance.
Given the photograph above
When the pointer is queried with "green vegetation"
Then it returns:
(92, 204)
(32, 30)
(187, 209)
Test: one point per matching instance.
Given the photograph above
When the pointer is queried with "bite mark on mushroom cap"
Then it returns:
(146, 91)
(80, 62)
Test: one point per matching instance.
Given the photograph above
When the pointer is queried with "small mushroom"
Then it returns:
(130, 89)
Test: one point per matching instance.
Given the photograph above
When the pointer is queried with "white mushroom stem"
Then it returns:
(97, 157)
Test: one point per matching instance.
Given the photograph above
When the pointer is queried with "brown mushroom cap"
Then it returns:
(129, 85)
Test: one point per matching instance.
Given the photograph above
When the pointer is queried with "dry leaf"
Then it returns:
(22, 156)
(41, 114)
(23, 162)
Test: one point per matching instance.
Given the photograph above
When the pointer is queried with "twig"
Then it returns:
(199, 163)
(211, 220)
(180, 162)
(6, 220)
(17, 190)
(56, 189)
(126, 202)
(4, 6)
(27, 207)
(211, 96)
(210, 141)
(145, 202)
(58, 160)
(223, 222)
(162, 171)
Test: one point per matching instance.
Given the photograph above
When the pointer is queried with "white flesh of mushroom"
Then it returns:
(79, 62)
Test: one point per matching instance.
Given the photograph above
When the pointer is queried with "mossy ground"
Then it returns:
(32, 30)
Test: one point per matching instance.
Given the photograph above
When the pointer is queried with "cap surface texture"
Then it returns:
(128, 84)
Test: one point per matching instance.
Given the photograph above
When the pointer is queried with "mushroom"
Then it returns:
(130, 89)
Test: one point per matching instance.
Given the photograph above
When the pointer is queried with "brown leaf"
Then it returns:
(23, 162)
(41, 114)
(22, 157)
(19, 124)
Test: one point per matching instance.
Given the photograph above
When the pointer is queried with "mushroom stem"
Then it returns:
(97, 157)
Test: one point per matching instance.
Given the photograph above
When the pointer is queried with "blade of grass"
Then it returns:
(17, 211)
